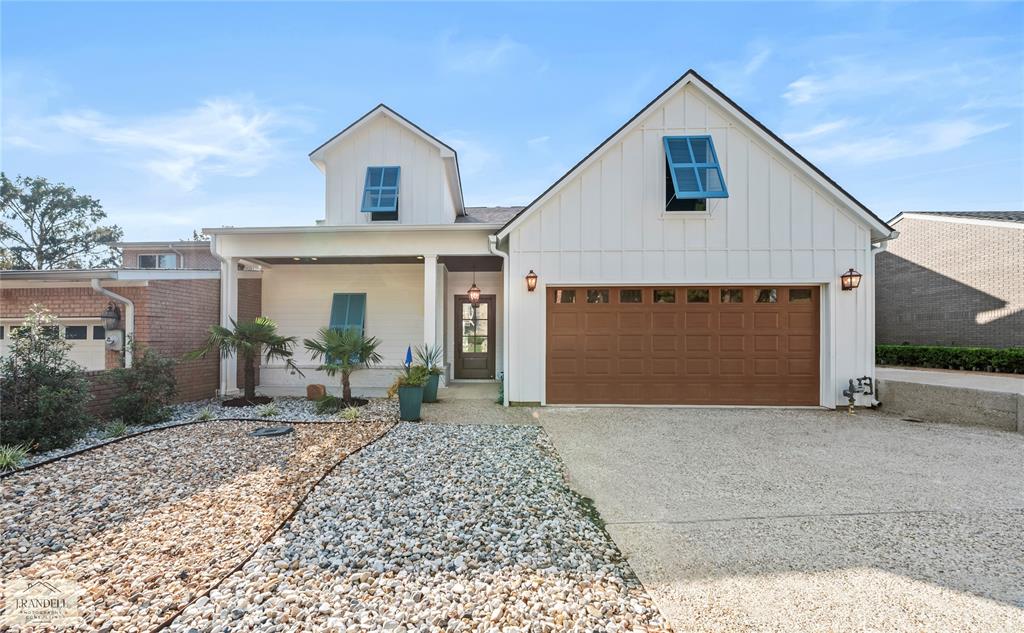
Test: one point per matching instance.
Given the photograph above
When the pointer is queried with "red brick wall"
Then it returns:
(171, 316)
(103, 392)
(250, 304)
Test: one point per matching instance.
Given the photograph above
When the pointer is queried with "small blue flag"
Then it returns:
(408, 356)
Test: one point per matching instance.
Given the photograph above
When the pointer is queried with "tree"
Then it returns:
(44, 226)
(343, 352)
(45, 395)
(246, 340)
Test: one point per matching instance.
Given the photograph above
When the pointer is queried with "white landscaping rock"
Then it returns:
(437, 528)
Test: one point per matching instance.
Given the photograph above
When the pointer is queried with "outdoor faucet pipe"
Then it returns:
(129, 318)
(492, 241)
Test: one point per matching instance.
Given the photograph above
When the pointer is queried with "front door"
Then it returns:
(474, 338)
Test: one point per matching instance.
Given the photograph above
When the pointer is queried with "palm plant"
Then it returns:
(248, 339)
(343, 352)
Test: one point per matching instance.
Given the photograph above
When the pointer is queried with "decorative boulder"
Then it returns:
(315, 392)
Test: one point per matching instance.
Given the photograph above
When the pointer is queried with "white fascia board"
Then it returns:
(352, 228)
(1002, 224)
(154, 274)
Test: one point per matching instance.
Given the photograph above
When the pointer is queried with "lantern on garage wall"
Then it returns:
(850, 279)
(531, 281)
(110, 317)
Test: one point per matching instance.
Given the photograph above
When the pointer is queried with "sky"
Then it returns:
(180, 116)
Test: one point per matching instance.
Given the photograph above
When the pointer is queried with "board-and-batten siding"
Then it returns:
(299, 298)
(608, 224)
(424, 196)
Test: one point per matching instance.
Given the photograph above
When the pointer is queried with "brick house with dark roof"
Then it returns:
(953, 278)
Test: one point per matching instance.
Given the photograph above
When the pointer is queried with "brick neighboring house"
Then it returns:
(171, 309)
(953, 278)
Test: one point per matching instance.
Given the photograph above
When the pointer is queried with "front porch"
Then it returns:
(402, 300)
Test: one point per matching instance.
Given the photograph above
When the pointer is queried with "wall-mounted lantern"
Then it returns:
(531, 281)
(474, 291)
(850, 279)
(111, 317)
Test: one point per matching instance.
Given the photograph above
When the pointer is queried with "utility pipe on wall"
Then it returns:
(129, 318)
(224, 310)
(492, 241)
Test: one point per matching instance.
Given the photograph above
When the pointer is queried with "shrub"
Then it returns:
(329, 404)
(342, 352)
(268, 411)
(350, 413)
(12, 457)
(145, 390)
(45, 395)
(117, 428)
(1009, 360)
(413, 376)
(205, 415)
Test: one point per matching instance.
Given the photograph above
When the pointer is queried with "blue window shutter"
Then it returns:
(693, 165)
(380, 194)
(348, 310)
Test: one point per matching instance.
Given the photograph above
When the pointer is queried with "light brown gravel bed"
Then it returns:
(145, 525)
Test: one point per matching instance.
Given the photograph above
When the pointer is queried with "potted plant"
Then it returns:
(430, 357)
(342, 352)
(409, 387)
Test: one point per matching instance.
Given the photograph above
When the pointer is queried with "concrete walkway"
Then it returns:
(1006, 383)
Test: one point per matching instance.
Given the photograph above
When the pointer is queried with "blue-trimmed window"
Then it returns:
(348, 311)
(380, 195)
(692, 173)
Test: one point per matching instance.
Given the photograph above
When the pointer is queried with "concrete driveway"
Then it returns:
(803, 520)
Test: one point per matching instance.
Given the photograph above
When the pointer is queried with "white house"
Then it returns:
(691, 258)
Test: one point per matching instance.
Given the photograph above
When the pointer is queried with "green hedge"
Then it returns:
(1007, 361)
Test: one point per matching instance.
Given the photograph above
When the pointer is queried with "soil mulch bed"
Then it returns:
(246, 402)
(146, 525)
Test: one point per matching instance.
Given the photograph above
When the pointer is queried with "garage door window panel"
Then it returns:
(800, 295)
(631, 295)
(698, 295)
(731, 295)
(596, 295)
(766, 295)
(76, 332)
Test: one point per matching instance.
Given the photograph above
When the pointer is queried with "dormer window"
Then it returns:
(692, 173)
(380, 196)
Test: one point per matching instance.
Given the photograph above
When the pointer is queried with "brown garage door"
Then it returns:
(683, 345)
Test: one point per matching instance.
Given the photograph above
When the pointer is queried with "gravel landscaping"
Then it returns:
(147, 524)
(436, 528)
(289, 408)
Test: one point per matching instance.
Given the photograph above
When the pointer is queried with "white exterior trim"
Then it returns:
(1002, 224)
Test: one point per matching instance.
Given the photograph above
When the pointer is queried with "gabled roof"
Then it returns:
(448, 153)
(691, 77)
(985, 216)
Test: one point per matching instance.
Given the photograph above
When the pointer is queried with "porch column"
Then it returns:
(430, 299)
(228, 311)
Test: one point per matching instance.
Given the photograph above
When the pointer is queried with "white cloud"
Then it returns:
(477, 55)
(822, 129)
(917, 140)
(474, 156)
(538, 142)
(735, 76)
(220, 136)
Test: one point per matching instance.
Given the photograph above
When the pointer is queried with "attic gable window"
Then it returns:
(380, 196)
(692, 173)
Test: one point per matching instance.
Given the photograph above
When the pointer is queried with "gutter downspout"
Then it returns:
(492, 242)
(181, 258)
(129, 319)
(224, 265)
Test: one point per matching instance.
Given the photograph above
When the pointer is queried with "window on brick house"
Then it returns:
(169, 260)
